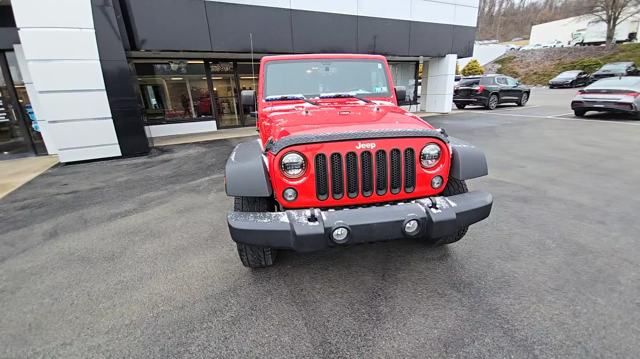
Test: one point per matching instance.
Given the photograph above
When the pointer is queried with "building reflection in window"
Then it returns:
(173, 91)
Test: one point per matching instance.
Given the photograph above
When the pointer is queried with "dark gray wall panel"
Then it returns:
(231, 24)
(170, 24)
(118, 81)
(323, 32)
(429, 39)
(110, 45)
(463, 39)
(383, 36)
(198, 25)
(8, 37)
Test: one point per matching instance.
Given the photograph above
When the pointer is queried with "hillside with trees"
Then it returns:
(505, 20)
(537, 67)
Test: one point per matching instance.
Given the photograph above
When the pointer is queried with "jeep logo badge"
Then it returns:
(368, 146)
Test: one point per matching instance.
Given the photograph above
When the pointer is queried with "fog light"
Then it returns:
(340, 235)
(436, 182)
(412, 227)
(290, 194)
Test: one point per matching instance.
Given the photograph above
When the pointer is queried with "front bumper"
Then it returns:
(309, 230)
(560, 84)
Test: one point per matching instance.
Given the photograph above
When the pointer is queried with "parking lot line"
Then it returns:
(564, 114)
(555, 117)
(511, 109)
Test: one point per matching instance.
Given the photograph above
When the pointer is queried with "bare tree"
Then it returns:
(613, 13)
(507, 19)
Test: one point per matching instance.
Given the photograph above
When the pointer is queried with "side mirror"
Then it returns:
(248, 97)
(401, 94)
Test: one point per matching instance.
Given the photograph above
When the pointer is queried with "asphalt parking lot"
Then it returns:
(131, 258)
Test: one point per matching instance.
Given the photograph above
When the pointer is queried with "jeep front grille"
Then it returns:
(355, 175)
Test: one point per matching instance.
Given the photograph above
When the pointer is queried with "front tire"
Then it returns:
(523, 99)
(579, 113)
(454, 186)
(461, 106)
(493, 101)
(254, 256)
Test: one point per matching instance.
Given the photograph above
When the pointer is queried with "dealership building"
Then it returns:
(90, 79)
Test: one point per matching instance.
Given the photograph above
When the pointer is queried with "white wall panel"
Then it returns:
(67, 75)
(67, 86)
(471, 3)
(440, 85)
(466, 16)
(59, 44)
(439, 103)
(62, 106)
(53, 13)
(180, 128)
(89, 153)
(401, 9)
(432, 11)
(75, 134)
(348, 7)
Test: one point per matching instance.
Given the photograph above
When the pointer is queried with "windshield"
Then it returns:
(469, 82)
(620, 67)
(568, 74)
(324, 78)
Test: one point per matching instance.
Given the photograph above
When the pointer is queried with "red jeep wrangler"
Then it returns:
(338, 162)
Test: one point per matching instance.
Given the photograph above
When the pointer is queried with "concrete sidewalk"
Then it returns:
(15, 173)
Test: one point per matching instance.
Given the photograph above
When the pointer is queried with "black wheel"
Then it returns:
(523, 99)
(461, 106)
(454, 186)
(573, 84)
(493, 102)
(579, 113)
(253, 256)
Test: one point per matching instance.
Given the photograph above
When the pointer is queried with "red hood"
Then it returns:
(304, 119)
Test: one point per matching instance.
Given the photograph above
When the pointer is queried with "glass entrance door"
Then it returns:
(17, 135)
(225, 94)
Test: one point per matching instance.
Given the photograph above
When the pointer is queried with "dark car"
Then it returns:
(615, 69)
(573, 78)
(617, 94)
(489, 91)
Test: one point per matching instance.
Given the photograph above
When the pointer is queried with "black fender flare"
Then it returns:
(246, 173)
(467, 160)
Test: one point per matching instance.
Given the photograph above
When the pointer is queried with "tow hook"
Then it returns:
(312, 216)
(433, 203)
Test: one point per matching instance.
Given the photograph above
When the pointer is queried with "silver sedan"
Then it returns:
(616, 94)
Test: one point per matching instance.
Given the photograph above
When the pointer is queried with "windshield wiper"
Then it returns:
(345, 95)
(289, 97)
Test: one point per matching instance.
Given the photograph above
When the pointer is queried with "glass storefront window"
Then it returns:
(248, 79)
(19, 128)
(191, 90)
(173, 91)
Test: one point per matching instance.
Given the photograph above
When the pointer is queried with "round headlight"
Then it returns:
(293, 165)
(430, 155)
